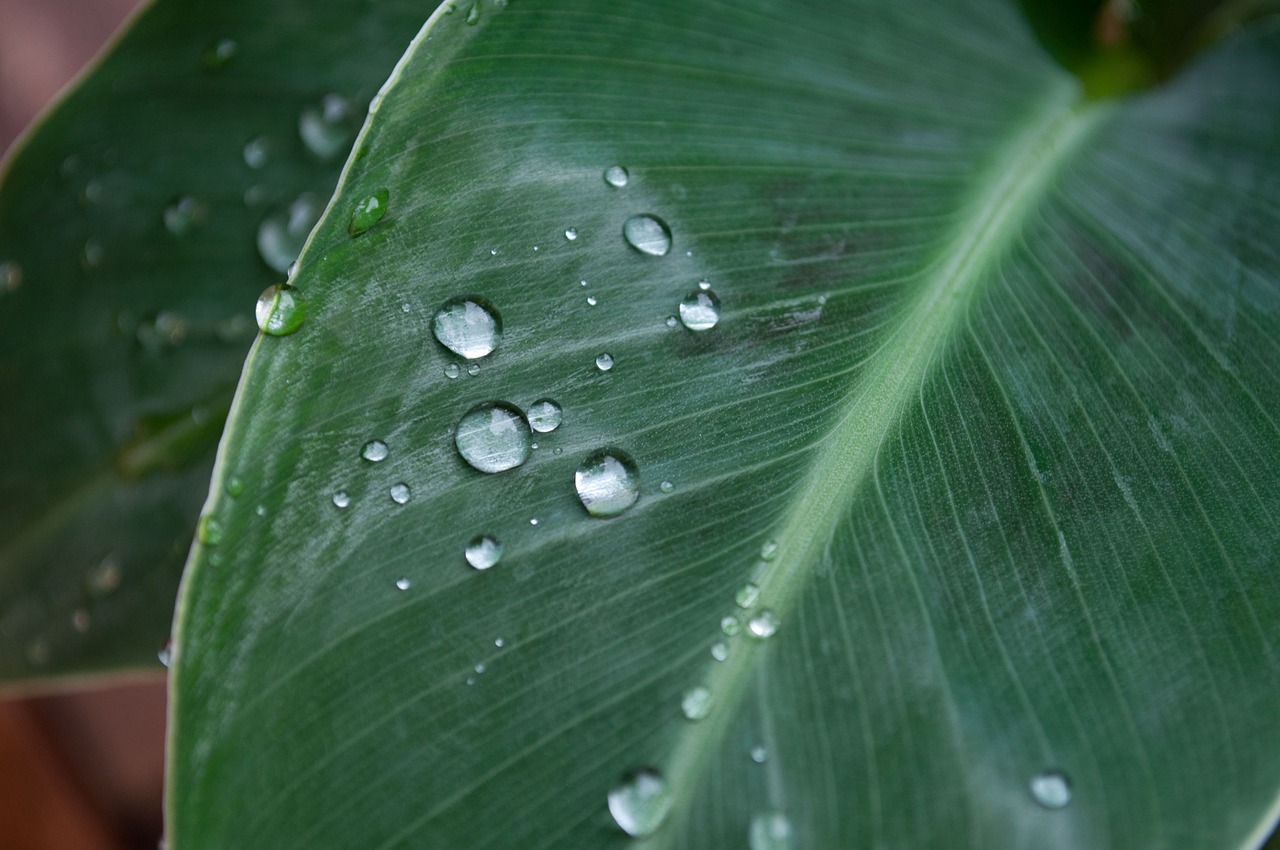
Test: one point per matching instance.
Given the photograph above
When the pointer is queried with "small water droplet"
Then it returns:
(220, 54)
(10, 276)
(483, 552)
(768, 550)
(80, 620)
(672, 321)
(545, 415)
(493, 437)
(759, 754)
(368, 213)
(498, 642)
(327, 130)
(704, 284)
(493, 251)
(280, 310)
(452, 371)
(771, 831)
(400, 493)
(473, 369)
(235, 487)
(375, 451)
(729, 625)
(479, 668)
(764, 625)
(473, 15)
(747, 595)
(648, 234)
(260, 510)
(591, 301)
(256, 152)
(341, 499)
(468, 326)
(640, 803)
(666, 486)
(699, 311)
(181, 216)
(616, 176)
(282, 234)
(608, 482)
(571, 234)
(209, 531)
(696, 703)
(533, 521)
(604, 362)
(403, 583)
(93, 253)
(405, 308)
(719, 650)
(582, 283)
(471, 680)
(1051, 789)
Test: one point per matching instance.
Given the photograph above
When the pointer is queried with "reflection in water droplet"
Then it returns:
(400, 493)
(763, 625)
(696, 703)
(699, 311)
(10, 276)
(341, 499)
(368, 213)
(571, 234)
(1051, 789)
(282, 234)
(759, 754)
(493, 436)
(209, 531)
(280, 310)
(608, 482)
(666, 486)
(719, 650)
(730, 625)
(615, 176)
(768, 550)
(648, 234)
(327, 130)
(375, 451)
(257, 151)
(483, 552)
(747, 595)
(604, 362)
(452, 371)
(468, 326)
(640, 803)
(183, 215)
(403, 583)
(545, 415)
(771, 831)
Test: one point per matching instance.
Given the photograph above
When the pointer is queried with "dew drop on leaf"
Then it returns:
(341, 499)
(747, 595)
(768, 550)
(648, 234)
(699, 311)
(640, 803)
(473, 369)
(763, 625)
(493, 436)
(368, 213)
(209, 531)
(730, 625)
(604, 362)
(759, 754)
(719, 650)
(375, 451)
(452, 371)
(403, 583)
(615, 176)
(770, 831)
(545, 415)
(400, 493)
(1051, 789)
(469, 326)
(483, 552)
(280, 310)
(608, 482)
(696, 703)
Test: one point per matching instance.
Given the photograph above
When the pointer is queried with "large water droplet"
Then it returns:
(615, 176)
(699, 311)
(256, 152)
(648, 234)
(183, 215)
(604, 362)
(468, 326)
(696, 703)
(608, 482)
(483, 551)
(770, 831)
(327, 130)
(280, 310)
(368, 212)
(375, 451)
(763, 625)
(545, 415)
(1051, 789)
(640, 803)
(493, 436)
(400, 493)
(282, 234)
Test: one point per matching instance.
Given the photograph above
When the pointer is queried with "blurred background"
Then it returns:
(83, 770)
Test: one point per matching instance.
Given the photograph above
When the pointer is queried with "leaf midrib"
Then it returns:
(1002, 197)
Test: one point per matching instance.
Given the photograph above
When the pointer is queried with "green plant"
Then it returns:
(947, 518)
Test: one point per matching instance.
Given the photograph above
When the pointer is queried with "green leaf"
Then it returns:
(128, 226)
(987, 421)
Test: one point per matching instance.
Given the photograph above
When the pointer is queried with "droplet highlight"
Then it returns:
(401, 493)
(648, 234)
(469, 326)
(493, 437)
(608, 482)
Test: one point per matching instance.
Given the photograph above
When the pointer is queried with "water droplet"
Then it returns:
(604, 362)
(183, 215)
(1051, 789)
(699, 311)
(220, 54)
(533, 521)
(468, 326)
(260, 510)
(479, 668)
(608, 482)
(704, 284)
(452, 371)
(719, 650)
(747, 595)
(759, 754)
(493, 436)
(582, 283)
(764, 625)
(400, 493)
(341, 499)
(666, 486)
(93, 253)
(771, 831)
(471, 680)
(729, 625)
(493, 251)
(648, 234)
(473, 15)
(483, 552)
(696, 703)
(405, 308)
(282, 234)
(256, 152)
(209, 531)
(591, 301)
(768, 550)
(473, 369)
(10, 276)
(80, 620)
(327, 130)
(235, 487)
(545, 415)
(498, 642)
(280, 310)
(672, 321)
(375, 451)
(105, 577)
(571, 234)
(615, 176)
(403, 583)
(368, 213)
(640, 803)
